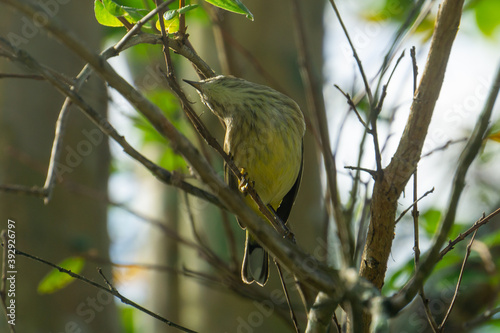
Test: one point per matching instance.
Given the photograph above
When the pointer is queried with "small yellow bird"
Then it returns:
(264, 136)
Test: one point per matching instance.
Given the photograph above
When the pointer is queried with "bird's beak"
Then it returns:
(195, 84)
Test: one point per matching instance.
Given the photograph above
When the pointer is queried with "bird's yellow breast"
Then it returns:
(271, 155)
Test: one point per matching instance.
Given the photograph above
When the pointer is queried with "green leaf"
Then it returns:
(186, 9)
(56, 280)
(171, 25)
(171, 18)
(487, 16)
(135, 13)
(170, 14)
(235, 6)
(113, 8)
(119, 8)
(104, 17)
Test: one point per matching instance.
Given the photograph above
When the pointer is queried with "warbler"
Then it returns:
(264, 137)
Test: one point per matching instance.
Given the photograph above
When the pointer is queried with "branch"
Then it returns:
(21, 76)
(486, 316)
(389, 187)
(467, 254)
(478, 224)
(317, 108)
(468, 155)
(288, 255)
(72, 97)
(406, 294)
(354, 53)
(413, 204)
(139, 24)
(111, 291)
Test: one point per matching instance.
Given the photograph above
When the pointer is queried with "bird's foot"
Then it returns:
(244, 182)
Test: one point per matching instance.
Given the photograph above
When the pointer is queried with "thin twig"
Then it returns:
(372, 173)
(353, 107)
(287, 297)
(479, 223)
(428, 312)
(57, 145)
(405, 30)
(415, 68)
(468, 155)
(416, 248)
(373, 117)
(404, 295)
(403, 213)
(387, 191)
(415, 214)
(105, 127)
(21, 76)
(182, 19)
(467, 254)
(484, 317)
(354, 53)
(21, 189)
(111, 291)
(443, 147)
(317, 109)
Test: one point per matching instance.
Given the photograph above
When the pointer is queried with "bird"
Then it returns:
(264, 133)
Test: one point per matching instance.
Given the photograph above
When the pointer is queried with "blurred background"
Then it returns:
(179, 256)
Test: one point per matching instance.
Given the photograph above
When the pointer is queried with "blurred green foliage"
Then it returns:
(56, 280)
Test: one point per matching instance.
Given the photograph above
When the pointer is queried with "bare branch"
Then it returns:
(486, 316)
(111, 291)
(287, 254)
(443, 147)
(353, 107)
(428, 312)
(404, 296)
(21, 76)
(468, 155)
(467, 254)
(103, 125)
(389, 187)
(317, 108)
(403, 213)
(479, 223)
(354, 53)
(287, 297)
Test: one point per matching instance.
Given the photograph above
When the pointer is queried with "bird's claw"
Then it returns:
(244, 182)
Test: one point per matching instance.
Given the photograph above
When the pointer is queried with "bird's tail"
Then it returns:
(255, 262)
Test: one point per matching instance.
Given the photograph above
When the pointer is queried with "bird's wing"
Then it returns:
(285, 207)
